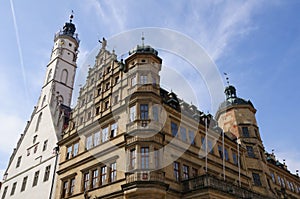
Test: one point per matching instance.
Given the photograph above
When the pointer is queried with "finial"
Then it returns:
(143, 39)
(227, 78)
(273, 151)
(284, 161)
(297, 172)
(71, 16)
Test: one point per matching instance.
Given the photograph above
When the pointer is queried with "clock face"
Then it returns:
(62, 42)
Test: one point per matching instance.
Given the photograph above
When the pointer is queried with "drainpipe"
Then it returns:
(56, 151)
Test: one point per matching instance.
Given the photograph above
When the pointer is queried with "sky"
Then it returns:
(257, 43)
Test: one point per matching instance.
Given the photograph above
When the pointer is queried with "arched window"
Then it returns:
(44, 100)
(64, 76)
(38, 122)
(49, 75)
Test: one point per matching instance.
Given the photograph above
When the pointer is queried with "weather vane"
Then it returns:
(227, 78)
(143, 38)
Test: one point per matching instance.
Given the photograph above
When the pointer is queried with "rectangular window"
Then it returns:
(47, 173)
(176, 171)
(106, 105)
(226, 154)
(113, 172)
(143, 79)
(86, 181)
(191, 137)
(133, 81)
(103, 175)
(113, 131)
(279, 180)
(234, 158)
(132, 113)
(117, 79)
(194, 172)
(23, 187)
(36, 178)
(282, 182)
(75, 149)
(185, 170)
(65, 189)
(95, 175)
(174, 129)
(183, 134)
(273, 177)
(89, 142)
(250, 152)
(107, 86)
(45, 145)
(97, 138)
(155, 113)
(72, 185)
(256, 179)
(4, 192)
(132, 158)
(220, 150)
(19, 161)
(13, 189)
(145, 157)
(69, 152)
(144, 112)
(104, 137)
(209, 145)
(245, 131)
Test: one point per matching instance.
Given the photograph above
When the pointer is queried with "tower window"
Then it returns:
(144, 112)
(132, 159)
(250, 151)
(256, 179)
(145, 157)
(132, 113)
(245, 131)
(64, 76)
(49, 75)
(133, 81)
(143, 79)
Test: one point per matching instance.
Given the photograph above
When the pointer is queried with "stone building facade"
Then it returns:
(130, 138)
(127, 137)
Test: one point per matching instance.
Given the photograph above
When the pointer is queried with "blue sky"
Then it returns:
(256, 42)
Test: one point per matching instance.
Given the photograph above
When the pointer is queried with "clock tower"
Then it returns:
(33, 164)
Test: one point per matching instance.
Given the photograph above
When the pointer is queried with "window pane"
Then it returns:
(183, 134)
(132, 113)
(174, 129)
(97, 138)
(144, 111)
(113, 132)
(89, 142)
(75, 150)
(145, 157)
(192, 137)
(245, 132)
(105, 134)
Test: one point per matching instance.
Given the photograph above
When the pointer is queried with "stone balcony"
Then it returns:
(157, 176)
(211, 182)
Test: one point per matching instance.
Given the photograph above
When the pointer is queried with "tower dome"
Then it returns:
(232, 99)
